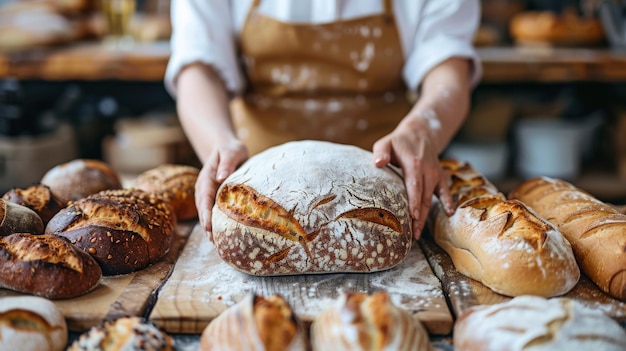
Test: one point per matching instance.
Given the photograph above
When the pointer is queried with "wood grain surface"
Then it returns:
(464, 292)
(202, 286)
(122, 295)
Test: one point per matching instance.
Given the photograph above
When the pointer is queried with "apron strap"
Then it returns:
(388, 7)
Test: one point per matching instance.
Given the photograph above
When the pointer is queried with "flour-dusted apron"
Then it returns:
(339, 81)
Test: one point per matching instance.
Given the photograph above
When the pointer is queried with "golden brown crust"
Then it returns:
(124, 230)
(551, 28)
(47, 266)
(176, 184)
(80, 178)
(275, 322)
(596, 230)
(499, 242)
(38, 198)
(16, 218)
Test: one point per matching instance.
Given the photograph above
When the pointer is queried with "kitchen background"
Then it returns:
(552, 100)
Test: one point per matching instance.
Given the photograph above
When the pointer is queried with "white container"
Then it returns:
(490, 159)
(548, 147)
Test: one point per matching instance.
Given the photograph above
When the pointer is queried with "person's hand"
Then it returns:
(222, 161)
(411, 146)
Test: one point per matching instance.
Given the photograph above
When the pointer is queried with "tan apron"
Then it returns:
(340, 81)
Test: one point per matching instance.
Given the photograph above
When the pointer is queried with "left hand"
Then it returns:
(411, 146)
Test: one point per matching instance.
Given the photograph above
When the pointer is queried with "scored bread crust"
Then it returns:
(38, 198)
(537, 324)
(46, 265)
(176, 184)
(124, 230)
(312, 207)
(255, 323)
(596, 230)
(501, 243)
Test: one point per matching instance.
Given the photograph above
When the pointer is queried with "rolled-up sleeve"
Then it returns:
(445, 30)
(202, 31)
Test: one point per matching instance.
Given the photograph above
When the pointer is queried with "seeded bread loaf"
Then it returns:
(80, 178)
(16, 218)
(30, 323)
(255, 323)
(47, 266)
(38, 198)
(312, 207)
(597, 231)
(124, 230)
(176, 184)
(360, 322)
(499, 242)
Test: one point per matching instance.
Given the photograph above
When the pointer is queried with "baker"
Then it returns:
(251, 74)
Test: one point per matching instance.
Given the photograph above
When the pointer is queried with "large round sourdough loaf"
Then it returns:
(533, 323)
(30, 323)
(124, 230)
(499, 242)
(46, 265)
(596, 230)
(312, 207)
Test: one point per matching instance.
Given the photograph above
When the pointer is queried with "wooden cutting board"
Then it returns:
(122, 295)
(202, 286)
(464, 292)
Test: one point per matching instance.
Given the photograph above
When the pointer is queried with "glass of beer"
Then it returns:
(118, 15)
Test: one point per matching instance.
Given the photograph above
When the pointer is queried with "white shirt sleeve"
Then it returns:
(203, 32)
(445, 29)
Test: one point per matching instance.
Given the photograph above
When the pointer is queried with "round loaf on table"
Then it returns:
(46, 265)
(533, 323)
(499, 242)
(367, 322)
(125, 333)
(176, 184)
(30, 323)
(16, 218)
(312, 207)
(38, 198)
(124, 230)
(80, 178)
(255, 323)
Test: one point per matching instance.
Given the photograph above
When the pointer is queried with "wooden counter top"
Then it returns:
(147, 62)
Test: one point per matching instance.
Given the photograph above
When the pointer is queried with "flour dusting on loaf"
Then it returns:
(312, 207)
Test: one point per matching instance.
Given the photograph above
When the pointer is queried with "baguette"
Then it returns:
(596, 230)
(502, 244)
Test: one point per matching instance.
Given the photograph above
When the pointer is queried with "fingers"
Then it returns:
(382, 152)
(444, 195)
(206, 186)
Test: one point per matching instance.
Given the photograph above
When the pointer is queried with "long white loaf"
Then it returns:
(312, 207)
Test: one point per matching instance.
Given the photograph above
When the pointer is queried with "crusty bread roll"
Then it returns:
(80, 178)
(30, 323)
(125, 333)
(501, 243)
(369, 323)
(176, 184)
(596, 231)
(47, 266)
(533, 323)
(312, 207)
(38, 198)
(255, 323)
(16, 218)
(124, 230)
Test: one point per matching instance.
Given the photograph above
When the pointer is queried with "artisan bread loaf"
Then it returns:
(596, 231)
(176, 184)
(367, 322)
(255, 323)
(124, 230)
(47, 266)
(125, 333)
(30, 323)
(16, 218)
(533, 323)
(312, 207)
(545, 27)
(80, 178)
(499, 242)
(38, 198)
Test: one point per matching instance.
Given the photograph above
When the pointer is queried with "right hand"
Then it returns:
(222, 161)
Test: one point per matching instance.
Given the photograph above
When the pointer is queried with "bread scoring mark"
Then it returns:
(27, 321)
(374, 215)
(323, 200)
(46, 248)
